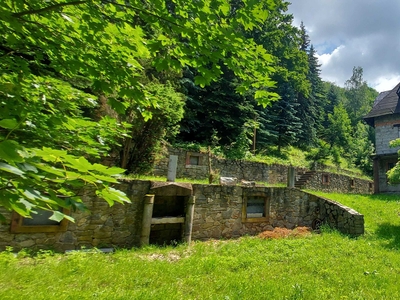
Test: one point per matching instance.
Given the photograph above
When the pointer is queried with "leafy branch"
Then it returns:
(48, 8)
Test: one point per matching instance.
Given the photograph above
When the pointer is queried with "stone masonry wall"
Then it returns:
(385, 131)
(103, 226)
(338, 183)
(218, 213)
(252, 171)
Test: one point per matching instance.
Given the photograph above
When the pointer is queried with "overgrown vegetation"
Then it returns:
(321, 266)
(80, 81)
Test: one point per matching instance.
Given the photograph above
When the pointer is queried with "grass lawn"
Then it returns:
(319, 266)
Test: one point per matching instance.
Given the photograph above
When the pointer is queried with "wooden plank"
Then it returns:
(168, 220)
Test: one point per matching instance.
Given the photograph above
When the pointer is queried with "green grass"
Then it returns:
(297, 158)
(164, 178)
(321, 266)
(194, 181)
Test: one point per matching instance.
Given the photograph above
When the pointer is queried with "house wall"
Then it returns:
(218, 213)
(383, 164)
(385, 131)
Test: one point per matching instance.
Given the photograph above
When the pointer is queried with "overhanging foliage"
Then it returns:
(58, 58)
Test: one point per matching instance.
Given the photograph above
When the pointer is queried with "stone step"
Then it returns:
(304, 178)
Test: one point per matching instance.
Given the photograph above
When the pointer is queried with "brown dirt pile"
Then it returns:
(279, 233)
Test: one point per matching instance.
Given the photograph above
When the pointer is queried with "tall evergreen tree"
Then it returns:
(215, 108)
(218, 108)
(305, 39)
(310, 104)
(279, 124)
(317, 95)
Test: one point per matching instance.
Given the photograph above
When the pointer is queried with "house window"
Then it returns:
(325, 178)
(39, 222)
(370, 186)
(255, 209)
(194, 160)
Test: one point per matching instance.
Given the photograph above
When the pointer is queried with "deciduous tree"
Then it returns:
(60, 58)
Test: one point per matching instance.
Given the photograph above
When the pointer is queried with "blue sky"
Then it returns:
(346, 34)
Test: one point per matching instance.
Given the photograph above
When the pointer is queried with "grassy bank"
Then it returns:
(320, 266)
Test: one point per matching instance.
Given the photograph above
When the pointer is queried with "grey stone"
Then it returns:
(228, 180)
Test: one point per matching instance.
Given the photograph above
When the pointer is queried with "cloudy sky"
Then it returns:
(348, 33)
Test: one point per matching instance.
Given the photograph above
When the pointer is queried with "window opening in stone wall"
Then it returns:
(255, 209)
(194, 160)
(352, 183)
(39, 222)
(325, 178)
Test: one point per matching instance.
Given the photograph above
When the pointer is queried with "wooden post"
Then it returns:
(189, 219)
(146, 223)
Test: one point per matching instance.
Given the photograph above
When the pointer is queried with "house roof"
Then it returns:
(387, 103)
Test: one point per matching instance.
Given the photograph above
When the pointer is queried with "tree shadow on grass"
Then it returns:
(390, 233)
(385, 197)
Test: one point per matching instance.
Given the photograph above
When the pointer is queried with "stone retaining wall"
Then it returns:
(261, 172)
(337, 183)
(247, 170)
(219, 212)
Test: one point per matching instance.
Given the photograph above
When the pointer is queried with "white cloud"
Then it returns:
(382, 84)
(354, 33)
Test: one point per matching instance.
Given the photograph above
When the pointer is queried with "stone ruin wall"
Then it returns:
(246, 170)
(338, 183)
(260, 172)
(217, 214)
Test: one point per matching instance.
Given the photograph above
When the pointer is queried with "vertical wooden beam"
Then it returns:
(189, 220)
(146, 222)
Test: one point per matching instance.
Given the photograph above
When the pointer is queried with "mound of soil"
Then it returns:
(279, 233)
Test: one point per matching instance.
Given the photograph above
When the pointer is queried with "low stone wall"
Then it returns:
(254, 171)
(219, 212)
(338, 216)
(337, 183)
(102, 226)
(246, 170)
